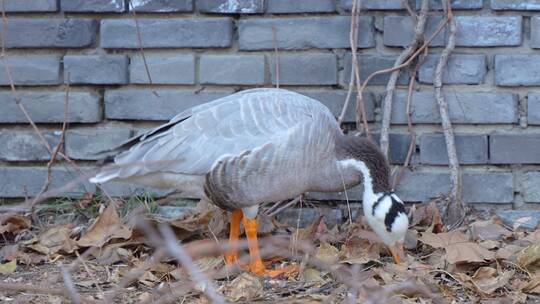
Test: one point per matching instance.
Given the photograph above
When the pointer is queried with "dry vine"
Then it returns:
(456, 210)
(391, 85)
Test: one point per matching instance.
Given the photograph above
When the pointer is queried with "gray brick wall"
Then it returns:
(200, 50)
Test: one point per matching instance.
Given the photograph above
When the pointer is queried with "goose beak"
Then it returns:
(397, 252)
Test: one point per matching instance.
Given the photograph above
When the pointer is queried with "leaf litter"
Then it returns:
(482, 261)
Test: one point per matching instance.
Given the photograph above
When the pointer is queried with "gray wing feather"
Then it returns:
(193, 140)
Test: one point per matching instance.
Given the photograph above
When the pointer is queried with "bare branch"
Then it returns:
(70, 286)
(180, 254)
(276, 55)
(141, 49)
(456, 210)
(391, 85)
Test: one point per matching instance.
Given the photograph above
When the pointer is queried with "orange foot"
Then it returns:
(258, 268)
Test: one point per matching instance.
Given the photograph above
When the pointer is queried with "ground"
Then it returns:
(91, 251)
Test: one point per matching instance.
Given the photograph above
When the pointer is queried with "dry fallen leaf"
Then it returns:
(108, 226)
(457, 247)
(13, 223)
(427, 215)
(244, 287)
(487, 279)
(529, 257)
(487, 230)
(533, 286)
(8, 267)
(55, 239)
(327, 253)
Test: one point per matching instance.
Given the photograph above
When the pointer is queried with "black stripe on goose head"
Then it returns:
(363, 149)
(395, 210)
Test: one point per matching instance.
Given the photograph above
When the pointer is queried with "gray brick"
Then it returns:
(399, 146)
(165, 68)
(86, 143)
(464, 108)
(288, 7)
(488, 31)
(353, 194)
(476, 31)
(535, 32)
(93, 5)
(335, 99)
(510, 217)
(305, 69)
(303, 33)
(28, 181)
(531, 191)
(142, 104)
(25, 145)
(399, 31)
(533, 108)
(514, 148)
(162, 6)
(522, 5)
(461, 69)
(456, 4)
(471, 149)
(48, 107)
(232, 69)
(413, 186)
(517, 70)
(16, 6)
(165, 33)
(121, 189)
(369, 64)
(96, 69)
(231, 6)
(500, 185)
(306, 216)
(31, 70)
(374, 4)
(50, 33)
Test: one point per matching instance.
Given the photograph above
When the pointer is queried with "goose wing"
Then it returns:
(193, 140)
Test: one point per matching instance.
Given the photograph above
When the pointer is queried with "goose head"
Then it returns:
(383, 210)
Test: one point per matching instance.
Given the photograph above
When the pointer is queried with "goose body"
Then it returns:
(258, 146)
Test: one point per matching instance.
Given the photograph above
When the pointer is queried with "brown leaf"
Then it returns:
(487, 230)
(85, 200)
(327, 253)
(55, 239)
(457, 247)
(529, 257)
(533, 286)
(13, 223)
(8, 267)
(108, 226)
(487, 279)
(508, 252)
(427, 215)
(533, 237)
(443, 240)
(244, 287)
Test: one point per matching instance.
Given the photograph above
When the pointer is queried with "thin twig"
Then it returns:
(355, 70)
(48, 181)
(391, 85)
(276, 55)
(409, 61)
(180, 254)
(456, 209)
(410, 128)
(70, 286)
(141, 49)
(289, 204)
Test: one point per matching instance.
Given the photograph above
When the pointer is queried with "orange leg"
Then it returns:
(232, 255)
(256, 265)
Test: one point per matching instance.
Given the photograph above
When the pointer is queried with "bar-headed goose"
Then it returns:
(257, 146)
